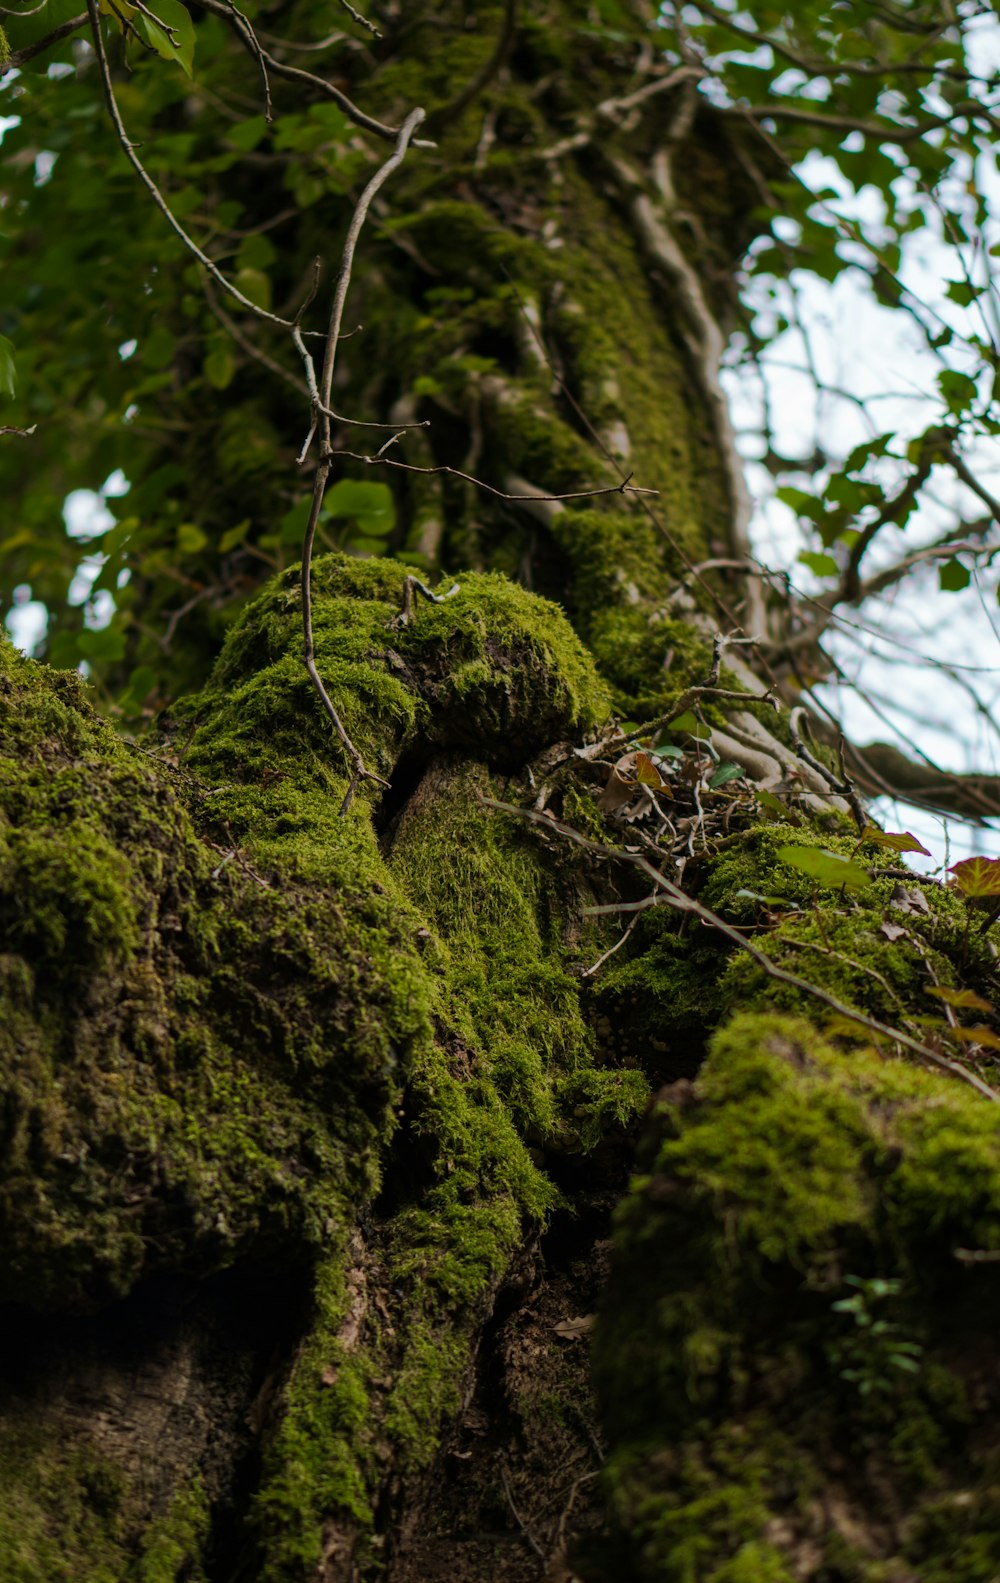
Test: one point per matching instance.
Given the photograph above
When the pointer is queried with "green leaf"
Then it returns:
(256, 252)
(103, 644)
(190, 538)
(174, 40)
(369, 504)
(827, 868)
(234, 536)
(961, 292)
(953, 576)
(293, 524)
(7, 375)
(776, 809)
(822, 565)
(726, 773)
(963, 999)
(803, 504)
(219, 365)
(140, 685)
(685, 722)
(254, 284)
(33, 25)
(977, 876)
(896, 841)
(958, 390)
(157, 348)
(247, 134)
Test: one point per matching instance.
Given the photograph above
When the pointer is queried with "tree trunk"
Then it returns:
(341, 1236)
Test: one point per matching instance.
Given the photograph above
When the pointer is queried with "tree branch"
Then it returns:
(406, 131)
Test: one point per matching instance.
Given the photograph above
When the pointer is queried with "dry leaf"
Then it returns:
(617, 792)
(912, 900)
(575, 1329)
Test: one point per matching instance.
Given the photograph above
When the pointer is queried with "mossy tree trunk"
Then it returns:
(320, 1134)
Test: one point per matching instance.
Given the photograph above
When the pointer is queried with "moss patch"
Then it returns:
(790, 1199)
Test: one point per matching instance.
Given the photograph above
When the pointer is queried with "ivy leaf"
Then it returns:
(896, 841)
(983, 1036)
(961, 292)
(963, 999)
(724, 774)
(958, 390)
(977, 876)
(690, 723)
(828, 868)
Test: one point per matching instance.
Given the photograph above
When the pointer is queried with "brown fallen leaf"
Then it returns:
(575, 1329)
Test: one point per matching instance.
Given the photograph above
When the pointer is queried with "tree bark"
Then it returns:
(330, 1155)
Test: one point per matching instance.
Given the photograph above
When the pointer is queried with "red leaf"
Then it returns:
(978, 876)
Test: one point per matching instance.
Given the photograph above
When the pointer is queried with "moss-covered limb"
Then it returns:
(791, 1359)
(212, 1044)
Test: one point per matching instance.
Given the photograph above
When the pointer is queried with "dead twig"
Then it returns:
(683, 903)
(624, 488)
(525, 1530)
(321, 392)
(844, 786)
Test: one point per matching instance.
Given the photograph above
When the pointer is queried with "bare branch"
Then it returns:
(624, 488)
(241, 27)
(362, 21)
(882, 131)
(18, 57)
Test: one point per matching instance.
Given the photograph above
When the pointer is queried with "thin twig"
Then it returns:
(257, 50)
(624, 488)
(19, 57)
(640, 907)
(525, 1530)
(362, 21)
(677, 898)
(278, 68)
(153, 189)
(323, 389)
(844, 787)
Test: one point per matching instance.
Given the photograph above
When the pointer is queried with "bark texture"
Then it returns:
(327, 1160)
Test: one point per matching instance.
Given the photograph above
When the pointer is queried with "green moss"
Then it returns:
(785, 1168)
(222, 1000)
(172, 1548)
(60, 1513)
